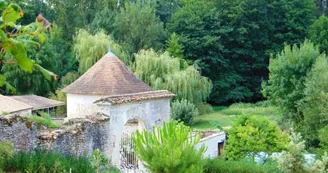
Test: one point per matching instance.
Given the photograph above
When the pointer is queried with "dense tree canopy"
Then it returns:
(319, 33)
(137, 27)
(232, 40)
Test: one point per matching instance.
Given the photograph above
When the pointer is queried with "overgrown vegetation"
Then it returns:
(43, 119)
(41, 161)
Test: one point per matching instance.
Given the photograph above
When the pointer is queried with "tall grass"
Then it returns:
(259, 108)
(41, 161)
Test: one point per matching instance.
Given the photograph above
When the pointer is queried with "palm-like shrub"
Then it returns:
(170, 149)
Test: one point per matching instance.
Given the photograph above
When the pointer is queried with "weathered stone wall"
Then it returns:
(76, 137)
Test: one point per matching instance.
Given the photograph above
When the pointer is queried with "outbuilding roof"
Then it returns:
(9, 105)
(37, 102)
(125, 98)
(109, 76)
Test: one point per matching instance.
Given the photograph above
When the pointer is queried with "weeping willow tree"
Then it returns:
(90, 48)
(151, 67)
(161, 71)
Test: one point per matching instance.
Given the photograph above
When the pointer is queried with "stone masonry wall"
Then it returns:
(76, 137)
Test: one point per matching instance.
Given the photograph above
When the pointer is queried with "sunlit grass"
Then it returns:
(223, 116)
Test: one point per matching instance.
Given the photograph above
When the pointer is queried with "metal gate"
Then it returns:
(128, 157)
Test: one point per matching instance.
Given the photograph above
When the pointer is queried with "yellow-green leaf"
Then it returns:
(41, 37)
(12, 13)
(46, 73)
(20, 54)
(2, 80)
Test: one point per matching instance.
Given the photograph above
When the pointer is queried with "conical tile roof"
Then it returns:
(109, 76)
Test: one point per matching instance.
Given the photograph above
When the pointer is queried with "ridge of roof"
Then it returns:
(134, 97)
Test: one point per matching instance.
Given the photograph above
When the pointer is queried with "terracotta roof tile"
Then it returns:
(109, 76)
(125, 98)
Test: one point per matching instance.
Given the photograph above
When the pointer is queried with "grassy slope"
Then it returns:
(223, 116)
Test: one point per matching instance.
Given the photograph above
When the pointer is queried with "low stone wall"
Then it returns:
(75, 137)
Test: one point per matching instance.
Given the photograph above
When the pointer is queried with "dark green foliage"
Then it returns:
(54, 55)
(137, 27)
(41, 161)
(220, 165)
(43, 119)
(232, 40)
(183, 111)
(104, 20)
(251, 135)
(166, 8)
(319, 33)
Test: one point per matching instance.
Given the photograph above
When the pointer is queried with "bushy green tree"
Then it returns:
(170, 149)
(286, 83)
(314, 106)
(161, 71)
(319, 33)
(183, 111)
(137, 27)
(251, 135)
(173, 47)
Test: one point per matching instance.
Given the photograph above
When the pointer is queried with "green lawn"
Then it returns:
(223, 116)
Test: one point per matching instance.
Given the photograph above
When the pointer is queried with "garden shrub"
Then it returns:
(220, 165)
(251, 135)
(183, 111)
(170, 149)
(41, 161)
